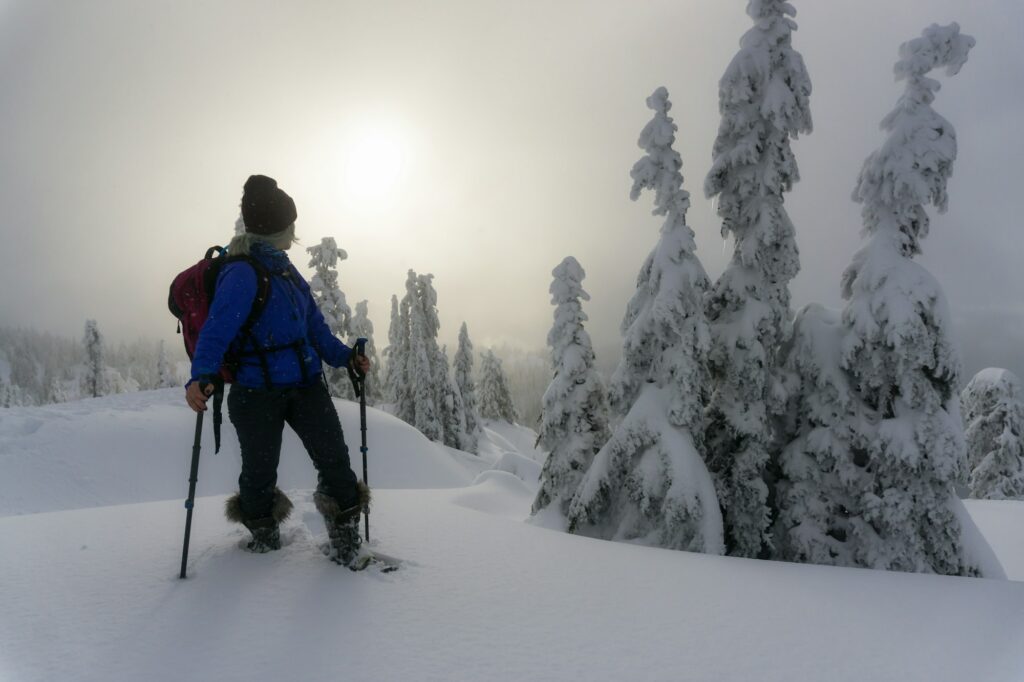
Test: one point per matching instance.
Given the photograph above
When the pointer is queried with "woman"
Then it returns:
(278, 379)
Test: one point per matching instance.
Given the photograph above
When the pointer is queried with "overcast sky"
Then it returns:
(480, 141)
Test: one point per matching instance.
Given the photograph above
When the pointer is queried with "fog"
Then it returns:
(128, 129)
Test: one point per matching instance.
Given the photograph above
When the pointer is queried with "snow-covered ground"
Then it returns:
(91, 524)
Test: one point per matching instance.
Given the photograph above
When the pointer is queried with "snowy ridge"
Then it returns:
(137, 447)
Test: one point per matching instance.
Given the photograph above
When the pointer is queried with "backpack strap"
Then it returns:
(232, 358)
(263, 351)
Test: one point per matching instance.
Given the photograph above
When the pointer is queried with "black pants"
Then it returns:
(259, 416)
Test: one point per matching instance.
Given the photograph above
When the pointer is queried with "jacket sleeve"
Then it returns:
(236, 291)
(331, 349)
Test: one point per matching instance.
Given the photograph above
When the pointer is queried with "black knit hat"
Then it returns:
(266, 208)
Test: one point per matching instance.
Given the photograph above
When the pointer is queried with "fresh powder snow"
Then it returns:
(91, 543)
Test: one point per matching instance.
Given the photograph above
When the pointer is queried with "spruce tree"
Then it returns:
(324, 259)
(495, 396)
(993, 410)
(95, 380)
(648, 483)
(463, 370)
(453, 416)
(574, 417)
(392, 355)
(422, 384)
(763, 99)
(165, 378)
(898, 346)
(822, 475)
(362, 327)
(405, 399)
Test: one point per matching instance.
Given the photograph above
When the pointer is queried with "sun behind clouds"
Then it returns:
(375, 160)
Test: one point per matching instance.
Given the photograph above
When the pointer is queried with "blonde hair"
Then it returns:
(242, 243)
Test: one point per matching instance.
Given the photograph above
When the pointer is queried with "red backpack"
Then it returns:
(192, 292)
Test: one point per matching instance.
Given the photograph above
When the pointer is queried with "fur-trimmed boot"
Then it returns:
(266, 534)
(343, 524)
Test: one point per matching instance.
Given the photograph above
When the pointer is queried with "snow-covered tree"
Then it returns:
(165, 377)
(401, 366)
(897, 344)
(361, 327)
(324, 259)
(55, 391)
(419, 371)
(463, 370)
(453, 416)
(648, 483)
(495, 397)
(392, 355)
(764, 101)
(993, 410)
(821, 475)
(423, 327)
(95, 379)
(574, 418)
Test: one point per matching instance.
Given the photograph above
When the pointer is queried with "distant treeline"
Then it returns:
(38, 368)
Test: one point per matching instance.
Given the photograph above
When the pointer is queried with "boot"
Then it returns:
(266, 535)
(342, 525)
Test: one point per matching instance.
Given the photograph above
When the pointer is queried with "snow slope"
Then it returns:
(93, 594)
(137, 447)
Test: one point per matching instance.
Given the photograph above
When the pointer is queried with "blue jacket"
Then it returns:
(290, 315)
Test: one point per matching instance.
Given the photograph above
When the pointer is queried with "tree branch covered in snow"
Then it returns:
(993, 410)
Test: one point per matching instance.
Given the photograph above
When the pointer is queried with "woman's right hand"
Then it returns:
(197, 397)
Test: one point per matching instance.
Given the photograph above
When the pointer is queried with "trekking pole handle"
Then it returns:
(215, 383)
(360, 348)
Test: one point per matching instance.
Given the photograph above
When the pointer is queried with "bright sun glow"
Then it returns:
(375, 164)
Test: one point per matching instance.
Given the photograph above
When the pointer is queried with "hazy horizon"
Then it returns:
(479, 141)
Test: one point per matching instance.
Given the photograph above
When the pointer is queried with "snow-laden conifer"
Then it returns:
(495, 396)
(453, 414)
(392, 355)
(324, 259)
(95, 379)
(401, 382)
(821, 479)
(421, 385)
(361, 327)
(764, 101)
(898, 345)
(165, 377)
(463, 371)
(993, 410)
(648, 483)
(574, 413)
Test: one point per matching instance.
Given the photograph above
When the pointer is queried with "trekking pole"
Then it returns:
(361, 351)
(192, 478)
(358, 380)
